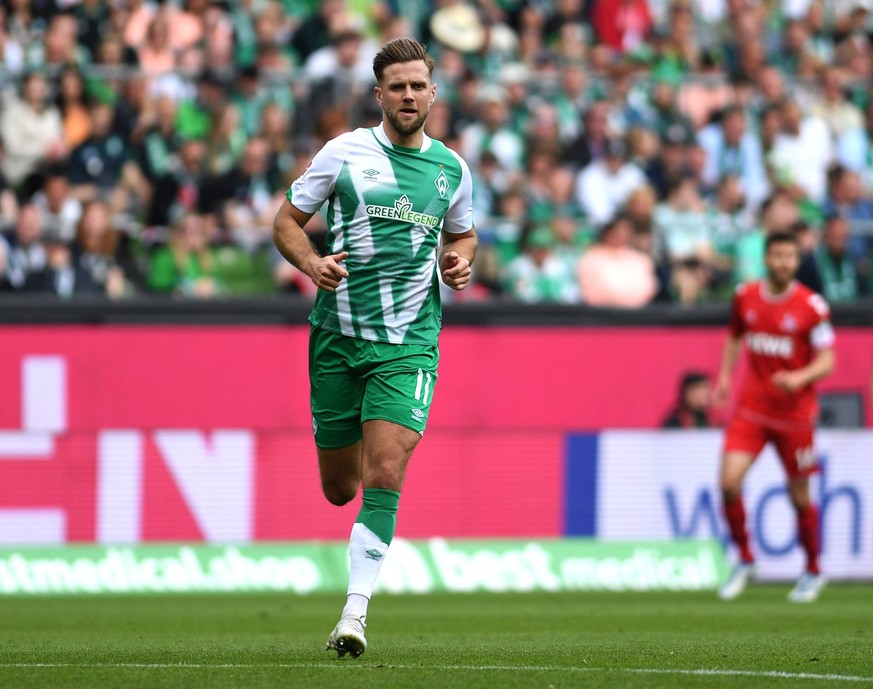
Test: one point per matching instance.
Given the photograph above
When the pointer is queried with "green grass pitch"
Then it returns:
(464, 641)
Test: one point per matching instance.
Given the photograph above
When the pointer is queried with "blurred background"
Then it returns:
(147, 145)
(629, 158)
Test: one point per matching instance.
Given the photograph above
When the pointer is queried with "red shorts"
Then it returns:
(793, 442)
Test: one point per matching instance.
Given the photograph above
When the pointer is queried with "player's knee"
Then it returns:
(384, 475)
(798, 491)
(339, 493)
(800, 501)
(731, 486)
(730, 491)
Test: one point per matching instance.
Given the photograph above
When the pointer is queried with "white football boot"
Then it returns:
(808, 588)
(737, 580)
(348, 637)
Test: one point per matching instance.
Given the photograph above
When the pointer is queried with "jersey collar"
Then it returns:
(383, 139)
(767, 295)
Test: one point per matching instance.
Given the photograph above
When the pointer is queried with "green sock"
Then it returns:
(379, 512)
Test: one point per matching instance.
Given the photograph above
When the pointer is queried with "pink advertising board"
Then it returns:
(129, 433)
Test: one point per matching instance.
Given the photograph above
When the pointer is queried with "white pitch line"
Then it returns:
(754, 673)
(476, 668)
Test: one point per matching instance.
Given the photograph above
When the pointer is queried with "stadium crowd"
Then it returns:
(623, 151)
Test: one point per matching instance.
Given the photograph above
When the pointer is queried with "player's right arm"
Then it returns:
(309, 192)
(729, 356)
(730, 353)
(326, 272)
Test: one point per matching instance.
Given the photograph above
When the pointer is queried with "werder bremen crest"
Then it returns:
(442, 183)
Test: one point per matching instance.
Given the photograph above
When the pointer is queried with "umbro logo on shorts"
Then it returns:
(418, 415)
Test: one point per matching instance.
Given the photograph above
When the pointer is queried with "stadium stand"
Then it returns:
(180, 124)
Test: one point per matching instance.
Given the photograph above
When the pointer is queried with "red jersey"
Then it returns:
(780, 332)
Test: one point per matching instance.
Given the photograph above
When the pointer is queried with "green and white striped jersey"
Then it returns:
(386, 207)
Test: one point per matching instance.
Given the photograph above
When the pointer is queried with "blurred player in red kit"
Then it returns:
(789, 339)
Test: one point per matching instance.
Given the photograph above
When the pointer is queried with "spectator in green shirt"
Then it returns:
(842, 277)
(538, 275)
(187, 265)
(778, 214)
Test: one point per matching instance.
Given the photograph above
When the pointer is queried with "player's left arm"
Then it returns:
(821, 365)
(456, 258)
(821, 337)
(459, 241)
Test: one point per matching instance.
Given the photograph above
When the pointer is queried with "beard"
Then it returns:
(780, 278)
(403, 126)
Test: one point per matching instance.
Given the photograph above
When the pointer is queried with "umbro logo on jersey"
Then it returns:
(442, 184)
(373, 554)
(370, 174)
